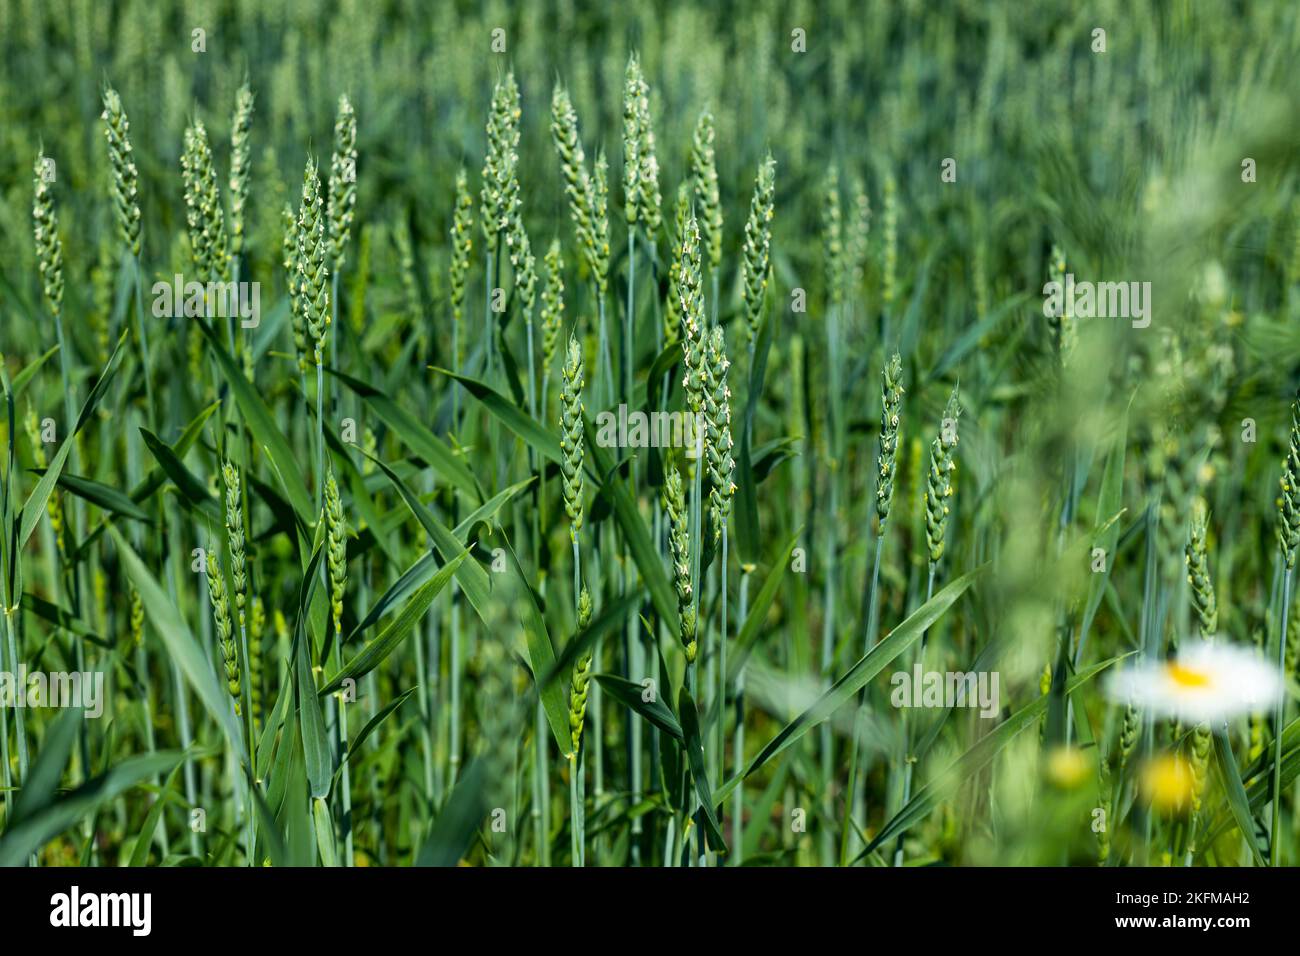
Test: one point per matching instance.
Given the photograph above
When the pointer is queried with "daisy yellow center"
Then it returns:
(1166, 782)
(1188, 677)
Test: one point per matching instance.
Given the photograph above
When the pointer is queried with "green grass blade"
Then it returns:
(398, 630)
(753, 624)
(25, 838)
(533, 434)
(260, 422)
(181, 646)
(628, 515)
(416, 437)
(103, 496)
(693, 744)
(34, 506)
(632, 696)
(1238, 802)
(541, 653)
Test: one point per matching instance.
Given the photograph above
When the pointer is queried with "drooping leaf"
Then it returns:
(867, 667)
(470, 575)
(391, 637)
(261, 423)
(694, 747)
(25, 838)
(416, 436)
(34, 506)
(541, 653)
(632, 695)
(533, 434)
(182, 648)
(103, 496)
(647, 557)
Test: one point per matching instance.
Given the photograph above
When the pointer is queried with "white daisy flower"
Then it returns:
(1206, 683)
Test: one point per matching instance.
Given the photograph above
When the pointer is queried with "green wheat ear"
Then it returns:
(137, 617)
(296, 318)
(704, 174)
(1128, 734)
(103, 278)
(1288, 502)
(573, 165)
(49, 247)
(239, 165)
(690, 306)
(552, 304)
(336, 531)
(833, 236)
(891, 392)
(651, 201)
(718, 444)
(343, 182)
(571, 437)
(679, 544)
(600, 223)
(756, 266)
(856, 246)
(462, 244)
(889, 265)
(235, 536)
(1064, 332)
(632, 83)
(1103, 834)
(225, 629)
(1198, 571)
(580, 680)
(673, 308)
(939, 488)
(524, 264)
(125, 176)
(207, 228)
(499, 197)
(312, 297)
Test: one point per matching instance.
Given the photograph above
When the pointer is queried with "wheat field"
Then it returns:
(758, 434)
